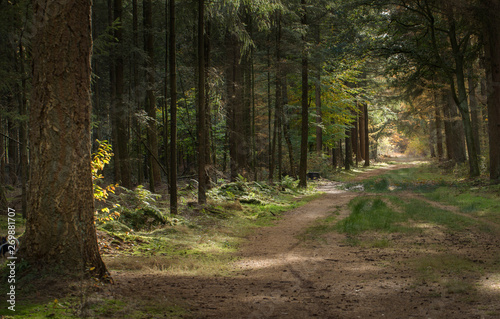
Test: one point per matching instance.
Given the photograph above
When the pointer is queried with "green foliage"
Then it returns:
(369, 214)
(133, 210)
(289, 183)
(93, 307)
(138, 198)
(376, 185)
(421, 211)
(146, 217)
(100, 158)
(477, 201)
(115, 226)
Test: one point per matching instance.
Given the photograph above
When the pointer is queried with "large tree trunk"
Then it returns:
(60, 231)
(492, 49)
(305, 105)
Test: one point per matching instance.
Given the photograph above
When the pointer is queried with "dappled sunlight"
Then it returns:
(275, 261)
(490, 283)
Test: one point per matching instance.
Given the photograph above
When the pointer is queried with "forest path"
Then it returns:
(280, 275)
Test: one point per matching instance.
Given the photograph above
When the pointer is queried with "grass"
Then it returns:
(418, 210)
(202, 245)
(95, 308)
(481, 202)
(423, 178)
(475, 197)
(320, 228)
(389, 214)
(369, 213)
(199, 242)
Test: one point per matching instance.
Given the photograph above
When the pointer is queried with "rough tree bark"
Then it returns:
(60, 229)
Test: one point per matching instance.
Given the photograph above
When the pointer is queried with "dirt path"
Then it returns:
(281, 276)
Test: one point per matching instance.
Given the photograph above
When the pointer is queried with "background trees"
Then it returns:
(262, 89)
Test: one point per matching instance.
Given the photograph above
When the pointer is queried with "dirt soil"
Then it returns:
(280, 276)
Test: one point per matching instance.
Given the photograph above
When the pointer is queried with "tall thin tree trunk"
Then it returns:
(305, 104)
(208, 107)
(456, 148)
(492, 47)
(348, 150)
(23, 136)
(135, 91)
(237, 147)
(355, 141)
(279, 100)
(120, 110)
(319, 119)
(286, 128)
(462, 103)
(362, 131)
(173, 109)
(474, 111)
(366, 143)
(202, 129)
(269, 115)
(438, 126)
(13, 147)
(154, 167)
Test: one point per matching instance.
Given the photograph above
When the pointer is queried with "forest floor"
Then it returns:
(302, 268)
(391, 242)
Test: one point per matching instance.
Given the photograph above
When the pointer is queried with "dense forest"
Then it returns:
(202, 93)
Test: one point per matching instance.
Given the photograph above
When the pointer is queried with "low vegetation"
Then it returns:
(443, 224)
(137, 234)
